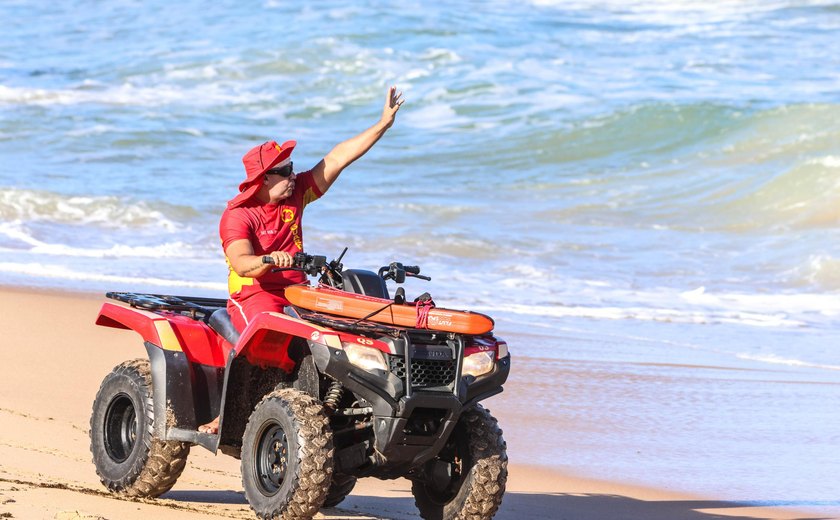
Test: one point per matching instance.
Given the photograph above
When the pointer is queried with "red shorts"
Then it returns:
(242, 312)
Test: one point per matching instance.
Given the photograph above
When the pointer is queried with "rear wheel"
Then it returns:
(127, 456)
(287, 456)
(467, 480)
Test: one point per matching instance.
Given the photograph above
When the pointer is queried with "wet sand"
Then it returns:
(54, 357)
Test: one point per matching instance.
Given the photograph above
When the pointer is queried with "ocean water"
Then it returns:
(649, 190)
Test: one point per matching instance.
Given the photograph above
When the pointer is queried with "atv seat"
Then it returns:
(220, 322)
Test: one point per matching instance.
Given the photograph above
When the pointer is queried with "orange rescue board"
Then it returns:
(351, 305)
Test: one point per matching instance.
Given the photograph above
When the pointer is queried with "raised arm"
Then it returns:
(327, 171)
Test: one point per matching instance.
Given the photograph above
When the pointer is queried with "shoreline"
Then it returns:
(53, 369)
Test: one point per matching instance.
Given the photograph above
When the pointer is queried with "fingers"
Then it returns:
(282, 259)
(394, 98)
(393, 102)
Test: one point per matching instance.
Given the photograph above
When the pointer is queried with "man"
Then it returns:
(265, 218)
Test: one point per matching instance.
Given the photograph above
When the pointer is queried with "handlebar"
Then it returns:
(309, 264)
(397, 272)
(313, 265)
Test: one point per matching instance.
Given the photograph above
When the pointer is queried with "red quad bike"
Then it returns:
(310, 399)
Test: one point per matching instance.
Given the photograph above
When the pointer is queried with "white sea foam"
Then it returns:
(443, 55)
(192, 131)
(697, 316)
(127, 94)
(60, 272)
(778, 360)
(821, 270)
(203, 73)
(829, 161)
(436, 115)
(416, 74)
(167, 250)
(673, 11)
(91, 130)
(18, 206)
(602, 300)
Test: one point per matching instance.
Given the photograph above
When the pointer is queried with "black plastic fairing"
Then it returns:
(186, 395)
(364, 282)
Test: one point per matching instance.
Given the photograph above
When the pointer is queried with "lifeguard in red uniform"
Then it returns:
(265, 218)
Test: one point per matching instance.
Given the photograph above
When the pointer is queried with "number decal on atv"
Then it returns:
(365, 341)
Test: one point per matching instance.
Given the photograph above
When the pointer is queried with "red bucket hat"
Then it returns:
(257, 161)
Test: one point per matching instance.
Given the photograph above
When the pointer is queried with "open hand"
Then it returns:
(393, 102)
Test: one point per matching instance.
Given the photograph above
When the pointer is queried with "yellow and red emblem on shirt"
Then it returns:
(287, 215)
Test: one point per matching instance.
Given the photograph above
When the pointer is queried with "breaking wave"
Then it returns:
(65, 274)
(127, 95)
(18, 205)
(694, 167)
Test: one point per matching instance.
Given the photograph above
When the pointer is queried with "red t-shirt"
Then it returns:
(269, 227)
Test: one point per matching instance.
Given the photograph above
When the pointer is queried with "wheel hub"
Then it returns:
(272, 459)
(120, 428)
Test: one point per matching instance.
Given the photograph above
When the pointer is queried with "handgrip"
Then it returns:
(267, 259)
(414, 271)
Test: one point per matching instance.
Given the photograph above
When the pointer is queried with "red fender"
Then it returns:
(266, 339)
(169, 331)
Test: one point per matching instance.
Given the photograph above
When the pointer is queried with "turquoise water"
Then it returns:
(615, 182)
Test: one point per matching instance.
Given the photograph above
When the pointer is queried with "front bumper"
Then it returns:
(410, 423)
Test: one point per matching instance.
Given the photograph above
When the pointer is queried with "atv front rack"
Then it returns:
(348, 324)
(195, 307)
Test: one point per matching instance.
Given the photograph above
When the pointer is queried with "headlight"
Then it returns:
(366, 358)
(478, 364)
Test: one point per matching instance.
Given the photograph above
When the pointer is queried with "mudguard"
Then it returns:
(168, 331)
(266, 339)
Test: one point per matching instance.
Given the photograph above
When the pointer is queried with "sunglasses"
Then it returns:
(285, 171)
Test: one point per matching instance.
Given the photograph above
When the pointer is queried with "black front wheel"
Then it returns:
(467, 479)
(287, 456)
(127, 456)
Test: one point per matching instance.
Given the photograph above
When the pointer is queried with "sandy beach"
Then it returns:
(53, 361)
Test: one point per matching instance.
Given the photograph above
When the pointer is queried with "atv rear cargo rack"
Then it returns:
(195, 307)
